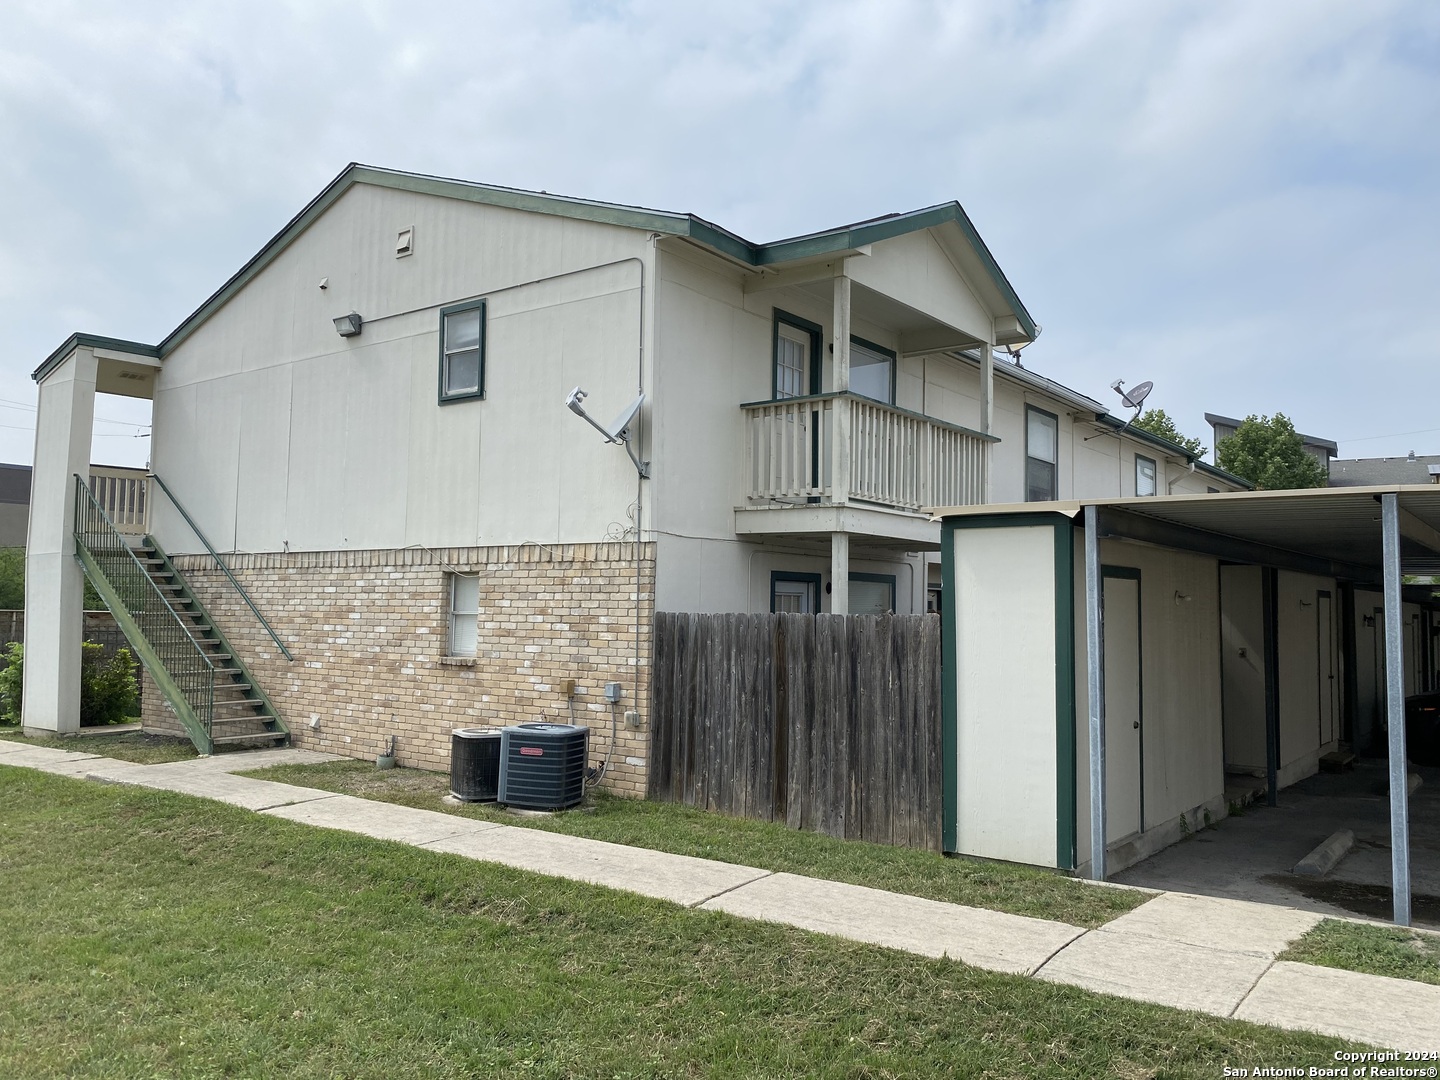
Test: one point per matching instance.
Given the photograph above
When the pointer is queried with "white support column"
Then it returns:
(840, 573)
(987, 413)
(1095, 679)
(840, 368)
(1395, 711)
(54, 582)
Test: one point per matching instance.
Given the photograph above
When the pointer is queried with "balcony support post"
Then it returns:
(987, 411)
(840, 573)
(54, 582)
(841, 418)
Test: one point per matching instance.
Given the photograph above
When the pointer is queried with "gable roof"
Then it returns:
(705, 233)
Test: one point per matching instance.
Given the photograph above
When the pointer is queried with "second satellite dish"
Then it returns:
(1135, 396)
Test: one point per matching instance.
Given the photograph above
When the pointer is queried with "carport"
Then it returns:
(1097, 683)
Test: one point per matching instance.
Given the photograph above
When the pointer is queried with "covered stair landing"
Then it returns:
(215, 696)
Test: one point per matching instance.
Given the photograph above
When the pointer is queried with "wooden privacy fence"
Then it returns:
(825, 722)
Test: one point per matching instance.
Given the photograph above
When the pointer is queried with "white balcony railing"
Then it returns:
(124, 495)
(897, 458)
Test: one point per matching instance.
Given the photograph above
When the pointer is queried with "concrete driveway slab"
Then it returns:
(1393, 1013)
(1165, 972)
(383, 821)
(987, 939)
(1216, 923)
(678, 878)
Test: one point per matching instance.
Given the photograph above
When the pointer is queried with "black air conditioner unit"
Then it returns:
(542, 766)
(475, 764)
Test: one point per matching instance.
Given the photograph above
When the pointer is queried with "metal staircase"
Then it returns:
(213, 693)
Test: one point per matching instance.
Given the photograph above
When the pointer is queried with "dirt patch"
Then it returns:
(1372, 901)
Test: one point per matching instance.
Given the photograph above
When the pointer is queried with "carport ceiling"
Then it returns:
(1336, 526)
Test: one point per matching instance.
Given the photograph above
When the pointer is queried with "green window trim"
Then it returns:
(878, 579)
(813, 580)
(447, 397)
(805, 326)
(1154, 475)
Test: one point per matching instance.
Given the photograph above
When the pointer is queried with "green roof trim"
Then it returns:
(722, 241)
(92, 341)
(1173, 448)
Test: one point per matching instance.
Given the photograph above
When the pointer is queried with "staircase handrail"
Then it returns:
(95, 532)
(222, 564)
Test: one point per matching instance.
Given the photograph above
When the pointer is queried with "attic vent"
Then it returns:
(405, 242)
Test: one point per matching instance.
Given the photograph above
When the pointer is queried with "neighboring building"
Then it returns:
(14, 504)
(111, 483)
(439, 542)
(1322, 450)
(1365, 472)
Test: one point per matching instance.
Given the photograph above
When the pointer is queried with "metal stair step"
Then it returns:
(265, 735)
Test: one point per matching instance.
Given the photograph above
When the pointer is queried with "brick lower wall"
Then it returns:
(369, 632)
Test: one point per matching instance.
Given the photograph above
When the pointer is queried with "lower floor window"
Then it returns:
(797, 594)
(872, 594)
(464, 614)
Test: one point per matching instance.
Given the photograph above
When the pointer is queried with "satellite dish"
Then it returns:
(617, 431)
(1136, 395)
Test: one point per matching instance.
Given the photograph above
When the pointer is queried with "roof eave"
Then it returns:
(91, 341)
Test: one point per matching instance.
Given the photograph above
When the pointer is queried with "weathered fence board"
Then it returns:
(825, 722)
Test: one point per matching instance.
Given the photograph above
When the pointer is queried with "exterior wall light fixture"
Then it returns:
(349, 325)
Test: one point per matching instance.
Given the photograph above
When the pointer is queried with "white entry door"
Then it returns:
(1329, 685)
(1123, 710)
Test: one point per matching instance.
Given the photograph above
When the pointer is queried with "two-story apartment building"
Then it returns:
(368, 422)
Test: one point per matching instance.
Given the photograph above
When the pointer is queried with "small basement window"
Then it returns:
(462, 352)
(464, 613)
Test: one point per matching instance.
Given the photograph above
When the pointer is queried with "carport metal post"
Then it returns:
(1095, 680)
(1395, 710)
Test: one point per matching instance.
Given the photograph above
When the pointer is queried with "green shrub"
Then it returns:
(12, 680)
(109, 692)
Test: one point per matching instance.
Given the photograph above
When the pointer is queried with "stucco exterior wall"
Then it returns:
(369, 633)
(275, 432)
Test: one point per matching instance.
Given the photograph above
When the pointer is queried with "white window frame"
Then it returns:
(463, 629)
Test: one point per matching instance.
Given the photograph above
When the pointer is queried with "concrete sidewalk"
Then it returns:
(1212, 955)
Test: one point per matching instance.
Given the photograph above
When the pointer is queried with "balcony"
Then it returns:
(897, 459)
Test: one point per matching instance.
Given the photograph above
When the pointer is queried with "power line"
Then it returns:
(1392, 435)
(7, 402)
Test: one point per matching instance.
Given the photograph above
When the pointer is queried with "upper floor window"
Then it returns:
(797, 356)
(462, 351)
(1145, 482)
(1042, 451)
(872, 371)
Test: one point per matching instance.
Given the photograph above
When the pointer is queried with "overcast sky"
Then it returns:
(1237, 200)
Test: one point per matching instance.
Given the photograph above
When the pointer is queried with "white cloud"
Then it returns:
(1236, 200)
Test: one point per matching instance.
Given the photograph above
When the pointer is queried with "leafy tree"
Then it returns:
(12, 583)
(1266, 451)
(1158, 422)
(12, 578)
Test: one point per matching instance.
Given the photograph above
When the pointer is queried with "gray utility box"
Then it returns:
(475, 764)
(542, 766)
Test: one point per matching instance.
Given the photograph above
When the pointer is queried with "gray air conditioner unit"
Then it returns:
(542, 766)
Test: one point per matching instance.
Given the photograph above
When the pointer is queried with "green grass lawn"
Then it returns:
(151, 934)
(684, 831)
(123, 746)
(1375, 950)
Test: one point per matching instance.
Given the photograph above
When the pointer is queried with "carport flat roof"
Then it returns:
(1330, 531)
